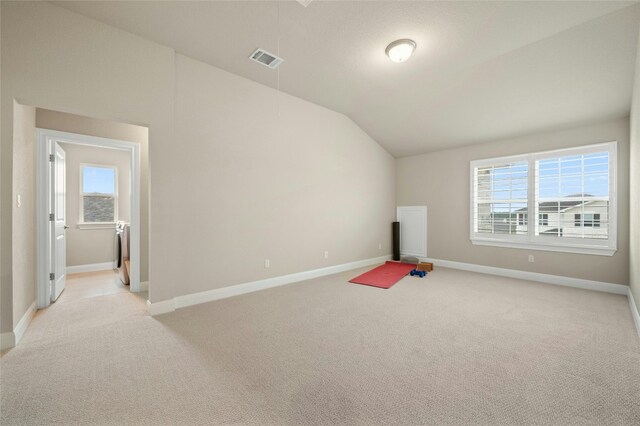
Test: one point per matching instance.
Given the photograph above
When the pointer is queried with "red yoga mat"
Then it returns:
(384, 276)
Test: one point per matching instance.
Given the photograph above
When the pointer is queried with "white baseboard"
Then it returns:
(534, 276)
(24, 322)
(10, 339)
(7, 340)
(236, 290)
(92, 267)
(160, 308)
(634, 310)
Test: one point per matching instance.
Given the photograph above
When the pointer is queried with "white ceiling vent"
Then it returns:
(265, 58)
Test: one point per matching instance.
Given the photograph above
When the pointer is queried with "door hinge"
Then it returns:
(52, 217)
(52, 276)
(52, 158)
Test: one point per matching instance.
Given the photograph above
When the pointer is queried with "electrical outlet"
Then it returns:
(326, 254)
(379, 246)
(267, 263)
(531, 258)
(19, 200)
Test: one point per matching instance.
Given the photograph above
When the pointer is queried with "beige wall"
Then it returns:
(59, 60)
(440, 180)
(24, 236)
(47, 119)
(634, 228)
(252, 185)
(234, 183)
(88, 246)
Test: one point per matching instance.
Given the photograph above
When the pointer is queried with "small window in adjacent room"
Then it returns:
(98, 194)
(571, 192)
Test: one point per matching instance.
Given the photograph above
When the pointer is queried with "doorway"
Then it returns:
(52, 217)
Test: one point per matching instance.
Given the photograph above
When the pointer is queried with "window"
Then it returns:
(98, 194)
(588, 219)
(501, 198)
(572, 193)
(522, 218)
(543, 219)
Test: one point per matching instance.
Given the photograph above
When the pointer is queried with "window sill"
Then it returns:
(579, 249)
(100, 225)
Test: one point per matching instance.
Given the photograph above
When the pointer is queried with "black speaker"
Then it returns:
(395, 226)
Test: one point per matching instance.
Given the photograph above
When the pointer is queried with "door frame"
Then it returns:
(45, 140)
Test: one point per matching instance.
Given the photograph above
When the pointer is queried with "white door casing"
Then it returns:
(413, 230)
(44, 183)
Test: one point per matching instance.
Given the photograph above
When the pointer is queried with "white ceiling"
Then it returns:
(481, 71)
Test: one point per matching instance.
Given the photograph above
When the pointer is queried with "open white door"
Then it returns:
(59, 223)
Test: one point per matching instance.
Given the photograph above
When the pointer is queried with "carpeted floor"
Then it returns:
(453, 348)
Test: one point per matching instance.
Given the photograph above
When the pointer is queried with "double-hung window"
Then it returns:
(500, 199)
(571, 193)
(98, 194)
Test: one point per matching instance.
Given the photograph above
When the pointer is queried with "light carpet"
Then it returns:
(453, 348)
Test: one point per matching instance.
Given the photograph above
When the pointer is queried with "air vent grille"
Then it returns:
(265, 58)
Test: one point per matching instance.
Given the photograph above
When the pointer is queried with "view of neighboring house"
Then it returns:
(574, 216)
(500, 222)
(577, 218)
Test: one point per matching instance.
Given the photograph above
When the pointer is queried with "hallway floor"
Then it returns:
(91, 284)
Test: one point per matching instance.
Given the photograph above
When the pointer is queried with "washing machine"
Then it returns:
(121, 251)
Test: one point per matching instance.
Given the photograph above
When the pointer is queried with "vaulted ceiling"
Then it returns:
(482, 70)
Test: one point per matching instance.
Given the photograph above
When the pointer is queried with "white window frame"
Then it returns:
(92, 225)
(558, 244)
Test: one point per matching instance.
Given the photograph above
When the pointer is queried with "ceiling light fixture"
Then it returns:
(400, 50)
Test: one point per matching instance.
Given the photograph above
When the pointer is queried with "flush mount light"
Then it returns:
(400, 50)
